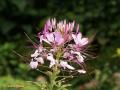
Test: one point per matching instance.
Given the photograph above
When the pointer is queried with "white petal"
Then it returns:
(33, 64)
(66, 65)
(52, 50)
(41, 38)
(66, 54)
(53, 22)
(35, 54)
(81, 71)
(40, 49)
(40, 59)
(73, 36)
(50, 37)
(63, 64)
(70, 67)
(79, 57)
(45, 40)
(52, 63)
(51, 59)
(72, 24)
(79, 36)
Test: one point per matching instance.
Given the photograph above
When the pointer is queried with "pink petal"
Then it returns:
(47, 25)
(79, 36)
(77, 29)
(40, 48)
(61, 40)
(84, 41)
(66, 54)
(50, 37)
(58, 38)
(76, 40)
(79, 40)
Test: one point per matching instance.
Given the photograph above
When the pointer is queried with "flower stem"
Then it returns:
(53, 77)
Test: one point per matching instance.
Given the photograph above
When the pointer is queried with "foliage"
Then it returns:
(10, 83)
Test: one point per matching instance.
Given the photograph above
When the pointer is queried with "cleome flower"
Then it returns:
(61, 44)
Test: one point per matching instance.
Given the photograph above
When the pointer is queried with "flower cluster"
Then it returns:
(61, 44)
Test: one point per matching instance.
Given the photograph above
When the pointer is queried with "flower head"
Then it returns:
(64, 46)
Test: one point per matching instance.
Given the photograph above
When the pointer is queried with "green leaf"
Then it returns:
(20, 4)
(6, 26)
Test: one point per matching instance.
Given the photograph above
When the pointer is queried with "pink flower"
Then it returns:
(63, 46)
(79, 40)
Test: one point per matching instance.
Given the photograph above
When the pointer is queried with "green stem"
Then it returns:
(55, 72)
(53, 77)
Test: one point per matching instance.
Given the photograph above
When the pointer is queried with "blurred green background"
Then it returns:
(99, 18)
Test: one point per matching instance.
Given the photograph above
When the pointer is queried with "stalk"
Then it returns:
(53, 77)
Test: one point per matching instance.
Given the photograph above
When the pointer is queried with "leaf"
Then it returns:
(6, 26)
(8, 82)
(20, 4)
(118, 51)
(2, 4)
